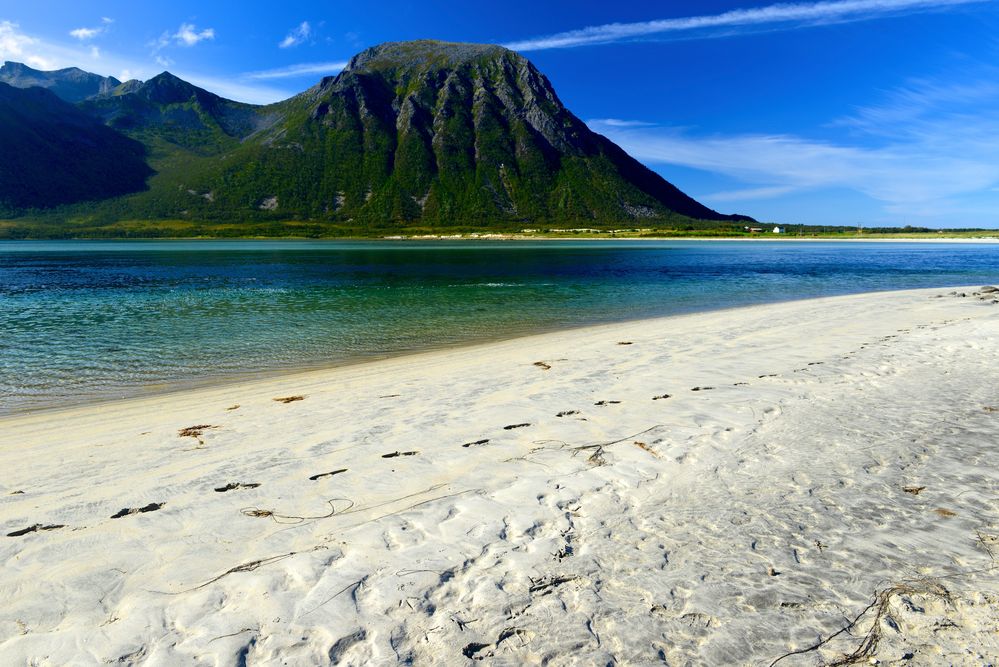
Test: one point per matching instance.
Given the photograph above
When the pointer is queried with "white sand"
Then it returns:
(756, 518)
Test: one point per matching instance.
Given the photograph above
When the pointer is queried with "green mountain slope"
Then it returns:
(409, 134)
(169, 109)
(53, 153)
(444, 134)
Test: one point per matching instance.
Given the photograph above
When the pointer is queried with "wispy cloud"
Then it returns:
(298, 35)
(617, 122)
(749, 194)
(85, 34)
(41, 53)
(236, 90)
(777, 16)
(925, 170)
(18, 46)
(301, 69)
(188, 34)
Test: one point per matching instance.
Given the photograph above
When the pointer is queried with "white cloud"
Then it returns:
(13, 42)
(617, 122)
(188, 35)
(163, 61)
(300, 69)
(785, 16)
(235, 90)
(84, 34)
(95, 53)
(298, 35)
(749, 194)
(45, 55)
(910, 174)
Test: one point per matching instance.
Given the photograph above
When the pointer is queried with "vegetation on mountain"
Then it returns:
(54, 153)
(409, 135)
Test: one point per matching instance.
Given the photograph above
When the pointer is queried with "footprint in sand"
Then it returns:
(35, 528)
(601, 403)
(566, 413)
(289, 399)
(329, 474)
(513, 426)
(476, 443)
(232, 486)
(395, 454)
(151, 507)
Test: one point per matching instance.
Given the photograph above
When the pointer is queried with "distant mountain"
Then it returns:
(70, 84)
(172, 109)
(409, 133)
(53, 153)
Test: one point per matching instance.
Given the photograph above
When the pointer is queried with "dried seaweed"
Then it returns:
(880, 606)
(292, 518)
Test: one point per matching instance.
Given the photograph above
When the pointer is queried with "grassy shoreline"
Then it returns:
(70, 227)
(183, 229)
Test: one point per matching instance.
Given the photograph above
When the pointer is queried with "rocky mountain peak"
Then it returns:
(423, 55)
(71, 84)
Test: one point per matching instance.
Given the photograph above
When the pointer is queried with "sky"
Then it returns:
(848, 112)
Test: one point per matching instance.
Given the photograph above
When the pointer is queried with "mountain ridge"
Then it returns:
(38, 130)
(423, 132)
(72, 84)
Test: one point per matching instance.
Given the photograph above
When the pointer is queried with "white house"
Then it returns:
(778, 230)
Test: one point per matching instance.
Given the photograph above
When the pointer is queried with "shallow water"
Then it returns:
(85, 320)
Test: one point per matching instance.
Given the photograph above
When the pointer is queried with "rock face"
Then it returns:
(53, 153)
(70, 84)
(448, 133)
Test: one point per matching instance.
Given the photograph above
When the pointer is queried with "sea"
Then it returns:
(85, 321)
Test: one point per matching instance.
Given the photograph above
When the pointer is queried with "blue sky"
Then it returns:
(872, 112)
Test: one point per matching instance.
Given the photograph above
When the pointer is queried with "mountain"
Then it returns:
(409, 134)
(70, 84)
(445, 134)
(170, 109)
(54, 153)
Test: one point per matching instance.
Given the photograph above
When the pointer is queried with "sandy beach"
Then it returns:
(796, 483)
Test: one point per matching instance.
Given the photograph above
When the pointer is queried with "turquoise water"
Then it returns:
(85, 320)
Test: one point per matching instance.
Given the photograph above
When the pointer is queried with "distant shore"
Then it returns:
(726, 487)
(610, 237)
(488, 236)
